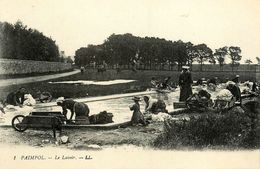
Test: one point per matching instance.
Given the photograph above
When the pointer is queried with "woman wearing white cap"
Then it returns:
(185, 82)
(236, 79)
(80, 109)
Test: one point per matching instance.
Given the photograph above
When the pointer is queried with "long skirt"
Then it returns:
(137, 117)
(185, 93)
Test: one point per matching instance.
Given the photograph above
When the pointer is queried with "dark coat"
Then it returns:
(15, 98)
(185, 82)
(235, 90)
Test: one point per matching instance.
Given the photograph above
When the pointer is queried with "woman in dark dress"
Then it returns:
(185, 82)
(16, 98)
(137, 116)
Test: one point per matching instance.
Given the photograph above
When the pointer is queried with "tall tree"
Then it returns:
(180, 52)
(220, 55)
(19, 42)
(121, 48)
(127, 49)
(86, 56)
(203, 53)
(191, 53)
(234, 54)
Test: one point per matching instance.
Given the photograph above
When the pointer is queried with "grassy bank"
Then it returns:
(235, 129)
(202, 131)
(81, 138)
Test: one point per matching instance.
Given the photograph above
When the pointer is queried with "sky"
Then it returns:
(78, 23)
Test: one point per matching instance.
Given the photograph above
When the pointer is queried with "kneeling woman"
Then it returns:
(137, 116)
(80, 110)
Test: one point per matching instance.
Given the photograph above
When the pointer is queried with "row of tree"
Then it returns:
(128, 49)
(19, 42)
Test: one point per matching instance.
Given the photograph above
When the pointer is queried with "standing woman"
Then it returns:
(185, 82)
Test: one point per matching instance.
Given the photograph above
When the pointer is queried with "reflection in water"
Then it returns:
(88, 82)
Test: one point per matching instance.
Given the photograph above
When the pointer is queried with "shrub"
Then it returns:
(235, 129)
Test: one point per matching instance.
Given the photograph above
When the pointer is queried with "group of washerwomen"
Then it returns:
(22, 97)
(231, 86)
(185, 83)
(153, 106)
(165, 84)
(15, 98)
(156, 106)
(81, 110)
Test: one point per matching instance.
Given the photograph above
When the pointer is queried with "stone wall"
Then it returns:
(10, 66)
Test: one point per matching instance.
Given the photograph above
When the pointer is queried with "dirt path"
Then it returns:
(15, 81)
(81, 138)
